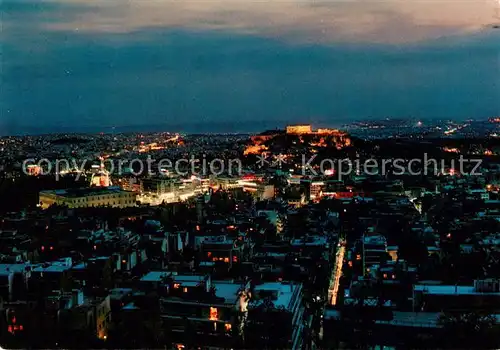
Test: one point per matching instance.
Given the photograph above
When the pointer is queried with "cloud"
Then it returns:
(215, 78)
(388, 21)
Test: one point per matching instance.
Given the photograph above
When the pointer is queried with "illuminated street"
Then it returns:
(336, 273)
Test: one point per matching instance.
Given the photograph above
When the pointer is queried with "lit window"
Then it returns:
(177, 285)
(235, 259)
(209, 254)
(226, 260)
(385, 275)
(214, 314)
(358, 257)
(393, 276)
(185, 289)
(228, 327)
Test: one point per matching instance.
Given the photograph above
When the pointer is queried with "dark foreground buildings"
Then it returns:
(268, 259)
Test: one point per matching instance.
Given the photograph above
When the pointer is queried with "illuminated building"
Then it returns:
(159, 185)
(100, 177)
(88, 197)
(13, 325)
(297, 200)
(255, 149)
(299, 129)
(393, 252)
(195, 302)
(327, 131)
(226, 183)
(33, 170)
(221, 249)
(129, 184)
(259, 189)
(316, 190)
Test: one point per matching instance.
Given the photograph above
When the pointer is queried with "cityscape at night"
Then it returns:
(249, 175)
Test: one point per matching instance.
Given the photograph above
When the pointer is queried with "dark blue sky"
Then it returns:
(63, 68)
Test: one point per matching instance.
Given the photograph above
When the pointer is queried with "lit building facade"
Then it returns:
(194, 309)
(159, 185)
(258, 189)
(316, 190)
(88, 197)
(299, 129)
(33, 170)
(100, 177)
(222, 249)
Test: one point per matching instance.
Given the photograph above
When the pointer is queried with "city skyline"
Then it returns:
(79, 65)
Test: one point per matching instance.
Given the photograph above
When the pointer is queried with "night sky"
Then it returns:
(234, 65)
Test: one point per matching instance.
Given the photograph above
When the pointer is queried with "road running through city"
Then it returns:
(336, 273)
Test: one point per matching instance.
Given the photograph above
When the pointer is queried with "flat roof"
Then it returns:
(415, 319)
(85, 191)
(311, 240)
(156, 276)
(227, 290)
(8, 268)
(52, 268)
(450, 290)
(284, 293)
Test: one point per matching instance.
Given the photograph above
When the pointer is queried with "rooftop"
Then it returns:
(449, 290)
(85, 192)
(227, 290)
(6, 269)
(375, 240)
(310, 241)
(156, 276)
(284, 293)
